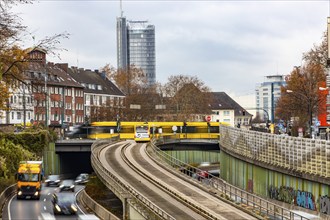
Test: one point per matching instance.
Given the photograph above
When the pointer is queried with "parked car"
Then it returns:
(67, 185)
(64, 203)
(53, 180)
(82, 178)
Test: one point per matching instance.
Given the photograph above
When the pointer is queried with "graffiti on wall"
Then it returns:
(284, 194)
(325, 205)
(291, 196)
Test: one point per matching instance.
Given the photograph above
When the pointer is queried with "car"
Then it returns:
(67, 185)
(53, 180)
(64, 203)
(82, 178)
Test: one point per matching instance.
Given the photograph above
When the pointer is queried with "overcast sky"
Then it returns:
(230, 45)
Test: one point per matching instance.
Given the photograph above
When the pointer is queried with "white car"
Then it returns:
(82, 178)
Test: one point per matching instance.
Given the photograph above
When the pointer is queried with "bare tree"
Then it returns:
(188, 96)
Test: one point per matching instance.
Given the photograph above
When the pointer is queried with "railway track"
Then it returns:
(178, 198)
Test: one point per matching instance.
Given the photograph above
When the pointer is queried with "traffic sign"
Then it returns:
(208, 118)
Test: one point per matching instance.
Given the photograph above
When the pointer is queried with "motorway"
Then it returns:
(131, 164)
(32, 209)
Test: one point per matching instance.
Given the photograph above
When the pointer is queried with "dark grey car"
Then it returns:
(67, 185)
(64, 203)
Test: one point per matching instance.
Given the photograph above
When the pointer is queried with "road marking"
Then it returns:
(44, 199)
(9, 216)
(45, 208)
(48, 194)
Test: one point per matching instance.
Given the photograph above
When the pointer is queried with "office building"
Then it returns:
(136, 46)
(267, 94)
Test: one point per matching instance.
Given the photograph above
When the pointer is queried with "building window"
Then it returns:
(12, 115)
(19, 116)
(226, 113)
(68, 105)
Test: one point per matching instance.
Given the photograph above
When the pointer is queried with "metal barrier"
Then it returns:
(232, 193)
(125, 192)
(300, 155)
(99, 210)
(5, 195)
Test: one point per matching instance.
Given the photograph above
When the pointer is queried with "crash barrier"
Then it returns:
(227, 191)
(5, 195)
(99, 210)
(127, 194)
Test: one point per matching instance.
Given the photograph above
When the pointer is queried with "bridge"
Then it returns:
(297, 167)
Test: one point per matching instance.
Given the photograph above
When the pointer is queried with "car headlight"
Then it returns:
(46, 181)
(57, 181)
(58, 208)
(71, 186)
(61, 186)
(36, 193)
(74, 208)
(19, 192)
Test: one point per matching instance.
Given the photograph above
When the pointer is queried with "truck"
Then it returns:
(29, 179)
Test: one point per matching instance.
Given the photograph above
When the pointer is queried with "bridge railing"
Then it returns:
(300, 155)
(126, 193)
(227, 191)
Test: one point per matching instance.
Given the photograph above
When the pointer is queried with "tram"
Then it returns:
(144, 131)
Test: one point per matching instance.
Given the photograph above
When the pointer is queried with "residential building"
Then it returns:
(102, 99)
(58, 98)
(267, 94)
(225, 109)
(136, 46)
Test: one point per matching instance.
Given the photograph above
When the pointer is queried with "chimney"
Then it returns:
(63, 66)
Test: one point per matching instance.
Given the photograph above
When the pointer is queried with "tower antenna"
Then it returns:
(121, 9)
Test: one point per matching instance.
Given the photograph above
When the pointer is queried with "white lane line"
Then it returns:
(9, 215)
(44, 199)
(48, 194)
(45, 208)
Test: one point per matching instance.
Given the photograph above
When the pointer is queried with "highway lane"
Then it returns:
(111, 158)
(31, 209)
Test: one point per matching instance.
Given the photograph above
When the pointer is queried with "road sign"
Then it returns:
(208, 118)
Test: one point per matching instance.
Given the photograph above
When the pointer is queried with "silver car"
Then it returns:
(83, 178)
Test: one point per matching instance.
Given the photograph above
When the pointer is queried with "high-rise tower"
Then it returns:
(136, 45)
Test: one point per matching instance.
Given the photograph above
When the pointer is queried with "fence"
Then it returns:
(234, 194)
(301, 155)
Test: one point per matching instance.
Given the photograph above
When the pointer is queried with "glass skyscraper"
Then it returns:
(136, 45)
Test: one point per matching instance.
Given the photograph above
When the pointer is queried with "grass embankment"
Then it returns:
(102, 195)
(4, 183)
